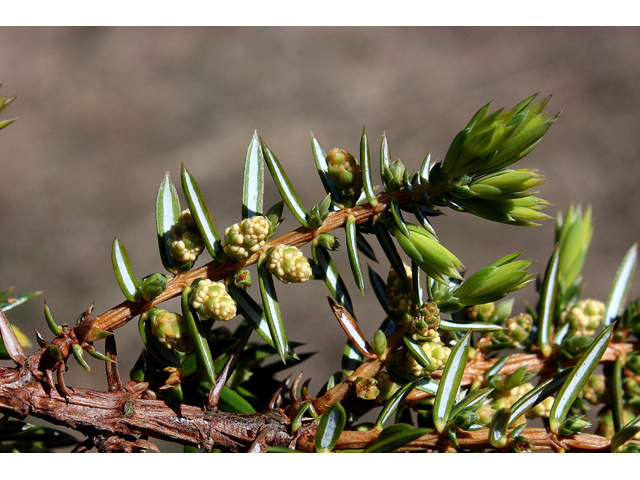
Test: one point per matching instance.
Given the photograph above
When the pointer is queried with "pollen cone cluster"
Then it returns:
(243, 239)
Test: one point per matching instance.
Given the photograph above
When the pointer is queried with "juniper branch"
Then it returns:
(119, 315)
(134, 411)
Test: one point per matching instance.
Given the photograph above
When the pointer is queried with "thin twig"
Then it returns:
(119, 315)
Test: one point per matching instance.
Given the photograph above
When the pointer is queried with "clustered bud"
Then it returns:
(326, 241)
(344, 172)
(400, 295)
(240, 279)
(386, 386)
(573, 425)
(424, 324)
(573, 345)
(481, 313)
(366, 388)
(517, 330)
(288, 264)
(211, 300)
(241, 240)
(466, 419)
(437, 353)
(629, 448)
(185, 243)
(170, 329)
(631, 387)
(152, 286)
(631, 317)
(507, 398)
(543, 409)
(584, 316)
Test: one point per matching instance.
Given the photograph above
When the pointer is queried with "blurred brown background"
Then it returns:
(104, 112)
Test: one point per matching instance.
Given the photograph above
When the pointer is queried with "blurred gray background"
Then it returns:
(104, 112)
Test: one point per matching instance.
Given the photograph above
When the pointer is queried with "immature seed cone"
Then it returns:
(400, 295)
(425, 322)
(438, 355)
(386, 387)
(584, 316)
(517, 330)
(344, 171)
(366, 388)
(288, 264)
(153, 285)
(243, 239)
(519, 327)
(185, 243)
(170, 329)
(211, 300)
(507, 398)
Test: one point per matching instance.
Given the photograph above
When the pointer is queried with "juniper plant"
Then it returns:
(449, 365)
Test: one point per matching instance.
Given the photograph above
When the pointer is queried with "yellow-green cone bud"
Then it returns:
(153, 285)
(543, 409)
(169, 328)
(185, 243)
(243, 239)
(240, 279)
(326, 241)
(517, 330)
(486, 413)
(425, 322)
(344, 171)
(481, 312)
(366, 388)
(574, 425)
(288, 264)
(211, 300)
(379, 343)
(595, 391)
(400, 295)
(584, 316)
(507, 398)
(386, 387)
(437, 353)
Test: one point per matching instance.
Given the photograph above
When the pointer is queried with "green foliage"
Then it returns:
(437, 323)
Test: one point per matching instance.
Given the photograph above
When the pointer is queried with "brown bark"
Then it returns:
(116, 414)
(113, 419)
(130, 412)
